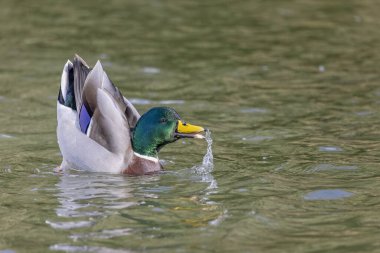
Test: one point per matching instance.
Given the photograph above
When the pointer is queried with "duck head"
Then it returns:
(158, 127)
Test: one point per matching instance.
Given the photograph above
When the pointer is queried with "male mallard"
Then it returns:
(100, 130)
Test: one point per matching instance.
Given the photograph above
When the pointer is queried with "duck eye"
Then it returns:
(163, 120)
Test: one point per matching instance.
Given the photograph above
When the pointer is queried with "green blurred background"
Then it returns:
(289, 89)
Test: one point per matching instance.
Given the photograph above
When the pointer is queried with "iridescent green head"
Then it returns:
(158, 127)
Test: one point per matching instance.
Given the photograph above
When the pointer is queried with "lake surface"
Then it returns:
(289, 89)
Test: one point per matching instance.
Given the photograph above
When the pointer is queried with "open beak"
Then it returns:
(185, 130)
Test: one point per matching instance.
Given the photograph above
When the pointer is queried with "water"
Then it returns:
(289, 89)
(208, 159)
(207, 166)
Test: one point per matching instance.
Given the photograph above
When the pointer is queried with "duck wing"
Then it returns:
(81, 71)
(103, 112)
(131, 113)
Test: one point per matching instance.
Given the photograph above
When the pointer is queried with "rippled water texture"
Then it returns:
(289, 89)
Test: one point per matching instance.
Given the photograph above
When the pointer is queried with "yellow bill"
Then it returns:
(186, 130)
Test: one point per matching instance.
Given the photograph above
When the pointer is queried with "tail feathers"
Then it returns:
(66, 91)
(81, 70)
(72, 81)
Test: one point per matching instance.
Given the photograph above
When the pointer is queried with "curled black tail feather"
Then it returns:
(69, 101)
(70, 96)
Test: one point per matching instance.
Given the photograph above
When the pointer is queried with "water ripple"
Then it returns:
(5, 136)
(82, 195)
(7, 251)
(69, 224)
(142, 101)
(330, 149)
(219, 219)
(74, 248)
(104, 234)
(171, 102)
(329, 194)
(258, 138)
(151, 70)
(330, 167)
(254, 110)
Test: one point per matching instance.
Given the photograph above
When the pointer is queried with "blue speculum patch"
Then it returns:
(84, 119)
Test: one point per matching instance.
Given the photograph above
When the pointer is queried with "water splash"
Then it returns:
(207, 166)
(208, 159)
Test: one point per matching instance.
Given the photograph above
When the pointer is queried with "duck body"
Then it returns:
(99, 130)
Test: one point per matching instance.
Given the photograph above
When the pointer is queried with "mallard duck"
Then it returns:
(99, 130)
